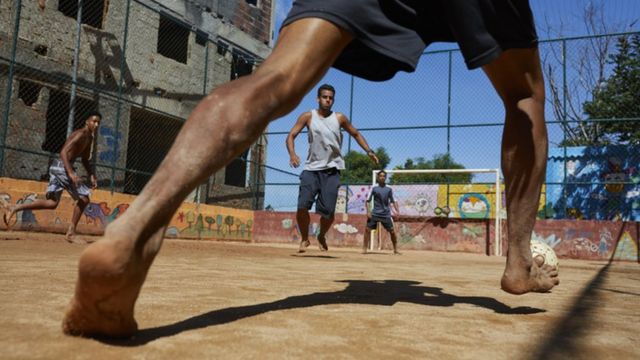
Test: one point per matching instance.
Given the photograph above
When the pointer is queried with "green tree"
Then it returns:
(439, 161)
(359, 166)
(618, 97)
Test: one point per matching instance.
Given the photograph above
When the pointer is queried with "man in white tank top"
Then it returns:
(320, 179)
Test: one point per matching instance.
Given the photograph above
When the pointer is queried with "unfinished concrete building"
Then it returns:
(144, 64)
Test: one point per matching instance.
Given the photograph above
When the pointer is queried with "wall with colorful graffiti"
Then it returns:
(594, 240)
(470, 201)
(600, 183)
(579, 239)
(190, 221)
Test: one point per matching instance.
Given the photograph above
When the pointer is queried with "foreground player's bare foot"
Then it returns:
(111, 272)
(304, 244)
(519, 277)
(322, 243)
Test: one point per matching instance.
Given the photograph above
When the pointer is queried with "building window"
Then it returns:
(29, 92)
(173, 39)
(235, 173)
(150, 138)
(201, 38)
(240, 66)
(92, 11)
(253, 2)
(58, 118)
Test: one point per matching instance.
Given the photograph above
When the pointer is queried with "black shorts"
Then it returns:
(320, 187)
(391, 35)
(373, 221)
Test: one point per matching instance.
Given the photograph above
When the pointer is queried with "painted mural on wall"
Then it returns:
(612, 183)
(594, 240)
(470, 201)
(190, 221)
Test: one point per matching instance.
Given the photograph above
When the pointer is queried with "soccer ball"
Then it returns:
(541, 249)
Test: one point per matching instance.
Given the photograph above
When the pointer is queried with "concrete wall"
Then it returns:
(191, 221)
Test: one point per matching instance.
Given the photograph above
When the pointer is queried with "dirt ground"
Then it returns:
(213, 300)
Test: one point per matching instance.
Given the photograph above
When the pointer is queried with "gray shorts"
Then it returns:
(387, 222)
(391, 35)
(59, 180)
(320, 187)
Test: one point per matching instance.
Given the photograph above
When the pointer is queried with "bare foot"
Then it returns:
(520, 278)
(364, 252)
(111, 272)
(304, 244)
(8, 215)
(70, 236)
(396, 252)
(322, 243)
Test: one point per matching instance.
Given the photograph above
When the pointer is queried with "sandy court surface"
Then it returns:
(212, 300)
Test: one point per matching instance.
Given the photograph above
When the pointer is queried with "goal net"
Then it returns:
(448, 193)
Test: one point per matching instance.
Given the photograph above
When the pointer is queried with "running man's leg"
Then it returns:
(303, 219)
(226, 122)
(325, 225)
(517, 77)
(78, 210)
(50, 202)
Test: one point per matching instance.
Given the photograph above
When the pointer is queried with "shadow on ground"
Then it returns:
(382, 293)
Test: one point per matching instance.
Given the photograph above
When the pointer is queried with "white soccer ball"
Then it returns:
(541, 249)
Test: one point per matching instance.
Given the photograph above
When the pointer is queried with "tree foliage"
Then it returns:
(618, 97)
(359, 166)
(574, 69)
(439, 161)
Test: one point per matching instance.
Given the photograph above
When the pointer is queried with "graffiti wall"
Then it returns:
(190, 221)
(601, 183)
(470, 201)
(578, 239)
(594, 240)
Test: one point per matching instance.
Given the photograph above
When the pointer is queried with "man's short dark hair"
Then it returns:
(382, 172)
(326, 87)
(93, 113)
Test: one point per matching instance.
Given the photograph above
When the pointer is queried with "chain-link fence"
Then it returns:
(145, 65)
(446, 116)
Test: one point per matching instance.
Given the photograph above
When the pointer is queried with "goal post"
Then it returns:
(497, 195)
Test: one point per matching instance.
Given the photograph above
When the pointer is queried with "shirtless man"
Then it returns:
(366, 40)
(63, 176)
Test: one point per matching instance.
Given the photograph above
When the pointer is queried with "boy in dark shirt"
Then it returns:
(382, 197)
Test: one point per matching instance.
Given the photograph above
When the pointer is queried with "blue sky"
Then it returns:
(422, 98)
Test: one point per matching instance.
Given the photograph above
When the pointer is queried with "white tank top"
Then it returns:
(325, 140)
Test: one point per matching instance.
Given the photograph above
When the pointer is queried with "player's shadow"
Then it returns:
(315, 256)
(383, 293)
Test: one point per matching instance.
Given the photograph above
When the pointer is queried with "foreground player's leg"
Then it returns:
(517, 77)
(113, 269)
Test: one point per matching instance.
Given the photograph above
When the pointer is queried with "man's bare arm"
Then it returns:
(345, 124)
(302, 121)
